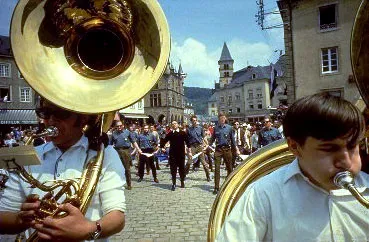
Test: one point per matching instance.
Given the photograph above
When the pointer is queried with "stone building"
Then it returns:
(243, 95)
(17, 99)
(317, 45)
(165, 102)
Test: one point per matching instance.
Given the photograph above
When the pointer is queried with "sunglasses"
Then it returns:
(45, 113)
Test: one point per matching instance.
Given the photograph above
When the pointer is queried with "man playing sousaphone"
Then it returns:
(66, 157)
(301, 201)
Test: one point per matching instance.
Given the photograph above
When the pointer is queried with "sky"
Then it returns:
(199, 29)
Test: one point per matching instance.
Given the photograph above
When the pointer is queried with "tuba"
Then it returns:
(277, 154)
(91, 57)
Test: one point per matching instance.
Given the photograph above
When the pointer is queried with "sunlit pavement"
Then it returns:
(157, 214)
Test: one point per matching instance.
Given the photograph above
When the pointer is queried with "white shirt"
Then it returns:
(108, 196)
(286, 206)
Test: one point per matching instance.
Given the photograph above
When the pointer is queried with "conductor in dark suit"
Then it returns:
(177, 139)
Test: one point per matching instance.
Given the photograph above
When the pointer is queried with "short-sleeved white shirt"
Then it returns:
(109, 193)
(286, 206)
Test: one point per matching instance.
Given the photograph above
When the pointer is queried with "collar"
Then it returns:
(82, 142)
(361, 180)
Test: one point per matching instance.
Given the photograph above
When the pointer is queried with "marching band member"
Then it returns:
(65, 157)
(300, 201)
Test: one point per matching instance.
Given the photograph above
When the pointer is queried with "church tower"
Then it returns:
(225, 67)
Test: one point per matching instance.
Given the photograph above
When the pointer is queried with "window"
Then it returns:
(230, 110)
(139, 104)
(253, 76)
(327, 17)
(260, 104)
(25, 94)
(132, 106)
(20, 76)
(155, 100)
(226, 74)
(213, 105)
(251, 94)
(329, 60)
(230, 99)
(238, 110)
(170, 101)
(5, 94)
(5, 70)
(251, 105)
(238, 96)
(335, 92)
(259, 94)
(226, 66)
(222, 99)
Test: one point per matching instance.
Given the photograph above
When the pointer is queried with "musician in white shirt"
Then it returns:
(300, 202)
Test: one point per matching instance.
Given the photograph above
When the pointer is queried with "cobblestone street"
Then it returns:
(155, 213)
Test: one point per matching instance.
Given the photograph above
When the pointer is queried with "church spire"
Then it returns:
(226, 55)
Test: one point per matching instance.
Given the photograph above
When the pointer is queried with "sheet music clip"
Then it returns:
(25, 155)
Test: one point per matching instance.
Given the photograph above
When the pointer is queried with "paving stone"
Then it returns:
(157, 214)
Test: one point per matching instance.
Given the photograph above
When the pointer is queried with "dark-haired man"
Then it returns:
(178, 140)
(123, 139)
(300, 201)
(196, 141)
(268, 134)
(66, 157)
(224, 137)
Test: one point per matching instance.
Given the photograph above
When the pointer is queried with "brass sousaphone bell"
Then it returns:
(277, 154)
(92, 57)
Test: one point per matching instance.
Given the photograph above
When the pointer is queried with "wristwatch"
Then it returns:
(96, 234)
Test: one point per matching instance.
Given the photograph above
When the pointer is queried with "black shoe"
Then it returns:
(156, 180)
(129, 188)
(182, 184)
(158, 168)
(208, 179)
(216, 190)
(173, 187)
(139, 179)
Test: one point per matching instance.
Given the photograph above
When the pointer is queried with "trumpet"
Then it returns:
(50, 131)
(345, 180)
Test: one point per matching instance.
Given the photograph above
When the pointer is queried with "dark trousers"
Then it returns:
(149, 161)
(195, 149)
(209, 158)
(177, 163)
(226, 153)
(125, 157)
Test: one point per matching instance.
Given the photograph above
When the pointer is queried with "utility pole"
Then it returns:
(260, 16)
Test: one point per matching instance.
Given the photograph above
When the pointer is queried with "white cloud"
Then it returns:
(201, 64)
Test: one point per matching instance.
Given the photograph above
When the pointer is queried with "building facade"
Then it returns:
(17, 98)
(243, 95)
(166, 102)
(317, 42)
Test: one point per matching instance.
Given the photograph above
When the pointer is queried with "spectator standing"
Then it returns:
(268, 134)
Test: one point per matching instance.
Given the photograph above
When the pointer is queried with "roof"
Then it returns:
(246, 74)
(212, 98)
(18, 116)
(225, 56)
(5, 46)
(180, 71)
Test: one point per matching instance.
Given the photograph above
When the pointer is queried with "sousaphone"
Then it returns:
(277, 154)
(91, 57)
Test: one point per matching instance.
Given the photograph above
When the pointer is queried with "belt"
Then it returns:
(122, 148)
(223, 147)
(195, 144)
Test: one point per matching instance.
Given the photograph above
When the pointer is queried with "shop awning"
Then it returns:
(134, 115)
(18, 116)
